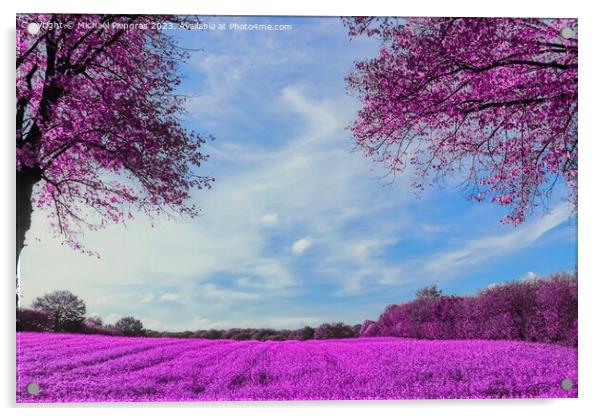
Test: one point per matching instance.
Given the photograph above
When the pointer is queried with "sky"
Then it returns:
(300, 228)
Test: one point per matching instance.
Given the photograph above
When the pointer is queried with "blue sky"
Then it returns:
(299, 228)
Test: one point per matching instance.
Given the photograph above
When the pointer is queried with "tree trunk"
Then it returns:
(26, 179)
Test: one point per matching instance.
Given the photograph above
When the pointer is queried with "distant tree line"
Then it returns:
(324, 331)
(62, 311)
(536, 310)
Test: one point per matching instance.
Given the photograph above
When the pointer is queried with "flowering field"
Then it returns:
(92, 368)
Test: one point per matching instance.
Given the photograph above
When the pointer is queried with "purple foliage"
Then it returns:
(493, 101)
(539, 310)
(92, 368)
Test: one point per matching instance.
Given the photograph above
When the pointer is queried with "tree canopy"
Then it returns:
(98, 122)
(65, 310)
(130, 326)
(492, 101)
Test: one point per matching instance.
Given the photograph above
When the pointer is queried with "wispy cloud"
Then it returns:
(481, 249)
(446, 264)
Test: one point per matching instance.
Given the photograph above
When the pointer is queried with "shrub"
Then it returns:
(33, 320)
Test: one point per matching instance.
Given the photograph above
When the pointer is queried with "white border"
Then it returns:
(589, 219)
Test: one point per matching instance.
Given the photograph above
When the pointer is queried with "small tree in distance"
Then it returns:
(428, 293)
(130, 326)
(65, 310)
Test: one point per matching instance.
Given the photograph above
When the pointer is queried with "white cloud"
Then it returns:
(301, 245)
(530, 275)
(170, 297)
(269, 219)
(365, 248)
(149, 297)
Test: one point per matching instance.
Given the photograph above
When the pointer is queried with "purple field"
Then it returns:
(93, 368)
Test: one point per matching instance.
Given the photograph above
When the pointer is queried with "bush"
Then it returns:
(32, 320)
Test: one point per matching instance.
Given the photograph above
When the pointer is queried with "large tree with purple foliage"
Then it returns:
(98, 122)
(490, 101)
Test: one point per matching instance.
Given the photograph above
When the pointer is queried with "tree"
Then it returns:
(65, 310)
(491, 102)
(428, 293)
(98, 130)
(130, 326)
